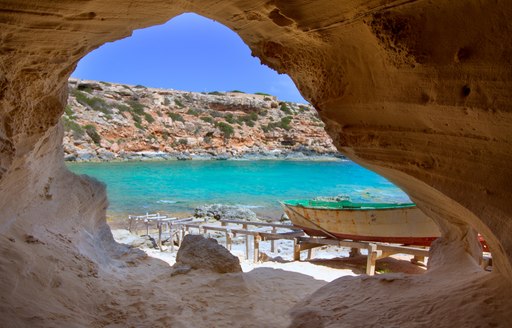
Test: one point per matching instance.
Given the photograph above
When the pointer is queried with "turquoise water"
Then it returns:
(180, 186)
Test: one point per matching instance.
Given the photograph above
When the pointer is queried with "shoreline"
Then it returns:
(277, 155)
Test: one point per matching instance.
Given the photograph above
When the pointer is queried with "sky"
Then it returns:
(189, 52)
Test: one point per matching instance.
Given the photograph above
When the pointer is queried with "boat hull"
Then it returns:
(408, 226)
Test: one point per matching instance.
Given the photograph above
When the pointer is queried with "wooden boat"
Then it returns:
(401, 223)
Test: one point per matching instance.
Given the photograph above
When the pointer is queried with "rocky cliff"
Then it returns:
(107, 121)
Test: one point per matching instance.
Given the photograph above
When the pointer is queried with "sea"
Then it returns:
(178, 187)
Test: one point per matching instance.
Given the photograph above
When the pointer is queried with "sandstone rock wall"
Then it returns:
(418, 91)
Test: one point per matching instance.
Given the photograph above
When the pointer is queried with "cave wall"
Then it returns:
(417, 91)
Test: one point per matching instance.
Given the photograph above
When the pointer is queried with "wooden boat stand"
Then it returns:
(375, 250)
(161, 222)
(262, 232)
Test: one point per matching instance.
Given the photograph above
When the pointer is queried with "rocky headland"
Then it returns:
(106, 121)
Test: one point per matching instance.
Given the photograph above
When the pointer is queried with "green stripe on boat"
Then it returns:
(344, 204)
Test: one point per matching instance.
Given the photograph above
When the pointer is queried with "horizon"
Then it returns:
(187, 53)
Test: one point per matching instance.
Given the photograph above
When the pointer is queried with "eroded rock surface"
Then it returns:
(418, 91)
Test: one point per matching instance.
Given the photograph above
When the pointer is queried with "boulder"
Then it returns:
(198, 252)
(225, 212)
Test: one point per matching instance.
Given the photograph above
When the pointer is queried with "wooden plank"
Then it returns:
(333, 242)
(237, 231)
(395, 249)
(262, 224)
(281, 235)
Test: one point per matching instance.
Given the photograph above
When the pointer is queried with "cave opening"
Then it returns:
(136, 102)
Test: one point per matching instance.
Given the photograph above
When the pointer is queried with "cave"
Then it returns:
(417, 91)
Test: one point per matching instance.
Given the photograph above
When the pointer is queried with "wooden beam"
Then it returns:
(259, 224)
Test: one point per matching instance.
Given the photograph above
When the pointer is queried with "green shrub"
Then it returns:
(106, 83)
(68, 110)
(207, 119)
(136, 118)
(226, 129)
(267, 99)
(284, 107)
(178, 103)
(236, 91)
(263, 94)
(167, 102)
(149, 118)
(95, 103)
(248, 119)
(194, 112)
(73, 127)
(216, 113)
(140, 86)
(136, 106)
(92, 133)
(229, 118)
(138, 125)
(176, 117)
(303, 108)
(182, 142)
(216, 93)
(263, 112)
(123, 108)
(284, 123)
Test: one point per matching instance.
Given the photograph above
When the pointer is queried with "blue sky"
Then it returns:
(189, 52)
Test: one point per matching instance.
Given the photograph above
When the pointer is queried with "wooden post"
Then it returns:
(244, 226)
(159, 236)
(371, 259)
(228, 240)
(147, 224)
(418, 260)
(257, 239)
(171, 237)
(182, 232)
(272, 242)
(310, 253)
(296, 250)
(354, 252)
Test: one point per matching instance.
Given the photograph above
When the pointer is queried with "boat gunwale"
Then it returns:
(407, 206)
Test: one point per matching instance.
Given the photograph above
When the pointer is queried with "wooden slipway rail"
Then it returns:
(261, 231)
